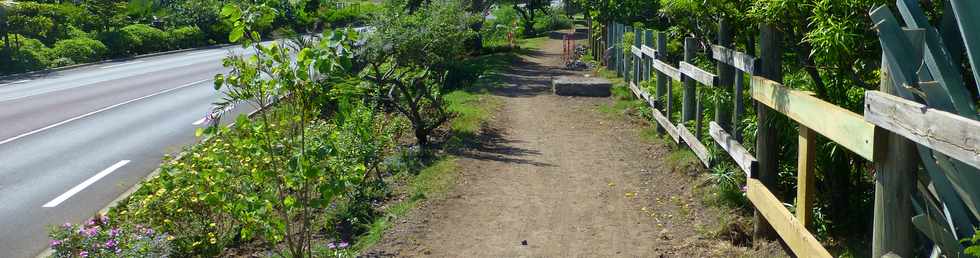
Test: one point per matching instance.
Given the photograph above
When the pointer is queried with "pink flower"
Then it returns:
(343, 245)
(110, 244)
(114, 232)
(55, 243)
(83, 254)
(331, 245)
(91, 232)
(66, 225)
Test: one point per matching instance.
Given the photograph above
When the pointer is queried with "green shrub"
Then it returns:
(188, 37)
(74, 32)
(351, 14)
(117, 44)
(28, 55)
(79, 50)
(136, 39)
(148, 39)
(556, 20)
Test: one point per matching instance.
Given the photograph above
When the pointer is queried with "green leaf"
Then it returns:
(231, 12)
(219, 79)
(198, 132)
(236, 34)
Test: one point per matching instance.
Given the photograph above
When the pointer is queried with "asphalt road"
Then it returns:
(74, 140)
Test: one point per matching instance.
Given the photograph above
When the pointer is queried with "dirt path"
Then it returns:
(568, 180)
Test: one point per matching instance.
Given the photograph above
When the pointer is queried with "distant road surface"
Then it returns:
(72, 141)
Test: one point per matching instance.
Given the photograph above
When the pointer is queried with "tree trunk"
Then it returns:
(422, 136)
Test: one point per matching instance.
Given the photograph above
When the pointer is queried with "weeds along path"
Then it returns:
(563, 176)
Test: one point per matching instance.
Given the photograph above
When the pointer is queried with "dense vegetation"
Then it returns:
(830, 50)
(344, 117)
(41, 34)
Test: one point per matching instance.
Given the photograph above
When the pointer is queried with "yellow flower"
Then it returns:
(170, 238)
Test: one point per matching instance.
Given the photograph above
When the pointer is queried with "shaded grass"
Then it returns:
(432, 182)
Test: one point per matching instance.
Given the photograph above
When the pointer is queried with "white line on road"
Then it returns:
(127, 63)
(84, 184)
(100, 110)
(16, 82)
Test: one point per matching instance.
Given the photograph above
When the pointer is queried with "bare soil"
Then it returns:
(554, 177)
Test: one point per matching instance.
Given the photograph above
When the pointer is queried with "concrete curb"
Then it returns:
(69, 67)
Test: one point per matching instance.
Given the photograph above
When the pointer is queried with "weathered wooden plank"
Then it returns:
(836, 123)
(947, 133)
(698, 74)
(640, 93)
(739, 60)
(665, 68)
(788, 227)
(742, 157)
(648, 52)
(695, 145)
(665, 123)
(636, 51)
(806, 176)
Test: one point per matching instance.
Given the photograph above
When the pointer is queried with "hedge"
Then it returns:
(79, 50)
(188, 37)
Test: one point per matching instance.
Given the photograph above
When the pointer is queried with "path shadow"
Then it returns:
(528, 79)
(493, 146)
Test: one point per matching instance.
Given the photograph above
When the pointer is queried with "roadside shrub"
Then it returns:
(147, 39)
(555, 20)
(27, 55)
(101, 237)
(188, 37)
(355, 14)
(74, 32)
(79, 50)
(135, 39)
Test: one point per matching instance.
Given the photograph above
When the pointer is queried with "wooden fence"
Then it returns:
(885, 134)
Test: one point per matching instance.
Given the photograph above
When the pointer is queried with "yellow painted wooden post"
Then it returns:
(805, 177)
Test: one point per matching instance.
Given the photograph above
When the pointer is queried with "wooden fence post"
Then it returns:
(895, 164)
(637, 61)
(605, 45)
(766, 142)
(805, 189)
(663, 82)
(688, 109)
(627, 59)
(723, 114)
(737, 97)
(620, 61)
(647, 41)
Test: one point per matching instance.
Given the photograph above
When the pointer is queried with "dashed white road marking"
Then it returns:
(127, 63)
(100, 110)
(78, 188)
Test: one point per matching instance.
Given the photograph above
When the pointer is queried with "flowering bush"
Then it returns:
(100, 237)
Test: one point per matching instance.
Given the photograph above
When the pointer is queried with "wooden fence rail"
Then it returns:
(950, 134)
